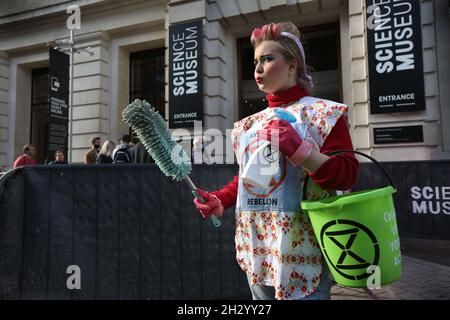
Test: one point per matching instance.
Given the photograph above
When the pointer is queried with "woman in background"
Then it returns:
(105, 154)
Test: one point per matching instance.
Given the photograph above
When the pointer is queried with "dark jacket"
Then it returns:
(141, 155)
(101, 158)
(90, 156)
(57, 162)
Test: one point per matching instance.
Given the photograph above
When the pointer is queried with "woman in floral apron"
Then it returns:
(275, 243)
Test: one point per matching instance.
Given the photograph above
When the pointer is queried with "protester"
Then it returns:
(275, 242)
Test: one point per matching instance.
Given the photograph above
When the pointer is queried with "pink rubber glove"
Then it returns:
(287, 140)
(213, 205)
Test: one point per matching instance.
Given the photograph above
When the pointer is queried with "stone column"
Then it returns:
(4, 83)
(359, 75)
(90, 109)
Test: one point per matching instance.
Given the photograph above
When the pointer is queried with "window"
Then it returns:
(39, 112)
(323, 55)
(147, 78)
(147, 81)
(321, 50)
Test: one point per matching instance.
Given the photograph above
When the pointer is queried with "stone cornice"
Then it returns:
(57, 12)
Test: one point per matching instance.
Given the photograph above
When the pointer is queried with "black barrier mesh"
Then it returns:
(432, 219)
(135, 234)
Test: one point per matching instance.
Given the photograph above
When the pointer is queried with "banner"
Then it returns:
(394, 44)
(185, 74)
(58, 115)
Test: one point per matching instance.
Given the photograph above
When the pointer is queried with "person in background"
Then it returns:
(105, 154)
(28, 157)
(123, 153)
(140, 154)
(59, 158)
(91, 156)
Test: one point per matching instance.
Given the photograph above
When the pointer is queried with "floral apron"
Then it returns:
(275, 243)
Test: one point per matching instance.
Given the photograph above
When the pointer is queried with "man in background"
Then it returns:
(123, 152)
(59, 158)
(91, 156)
(28, 157)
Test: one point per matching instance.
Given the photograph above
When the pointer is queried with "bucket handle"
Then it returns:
(333, 153)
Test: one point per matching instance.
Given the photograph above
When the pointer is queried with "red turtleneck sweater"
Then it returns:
(337, 173)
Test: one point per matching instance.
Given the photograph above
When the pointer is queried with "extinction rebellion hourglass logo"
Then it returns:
(270, 155)
(344, 237)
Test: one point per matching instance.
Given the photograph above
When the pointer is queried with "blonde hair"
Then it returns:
(107, 148)
(288, 47)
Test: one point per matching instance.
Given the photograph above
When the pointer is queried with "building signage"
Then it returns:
(405, 134)
(58, 115)
(394, 42)
(430, 200)
(185, 74)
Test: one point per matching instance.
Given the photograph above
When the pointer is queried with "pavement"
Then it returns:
(426, 275)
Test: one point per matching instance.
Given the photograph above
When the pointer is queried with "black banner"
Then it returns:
(58, 115)
(394, 43)
(185, 74)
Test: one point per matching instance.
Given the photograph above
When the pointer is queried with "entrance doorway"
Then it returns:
(39, 113)
(147, 79)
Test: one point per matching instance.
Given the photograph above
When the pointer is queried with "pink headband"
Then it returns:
(296, 40)
(305, 76)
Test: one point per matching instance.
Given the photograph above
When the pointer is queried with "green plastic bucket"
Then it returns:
(358, 234)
